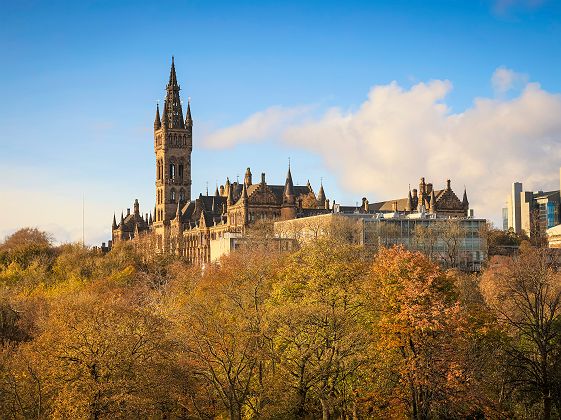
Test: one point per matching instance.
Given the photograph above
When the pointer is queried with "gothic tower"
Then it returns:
(173, 143)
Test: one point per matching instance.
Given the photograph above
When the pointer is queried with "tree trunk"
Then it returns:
(326, 415)
(546, 406)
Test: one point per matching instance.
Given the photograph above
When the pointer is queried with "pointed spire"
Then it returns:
(150, 218)
(321, 195)
(216, 193)
(289, 197)
(173, 114)
(213, 208)
(409, 205)
(244, 192)
(432, 201)
(157, 120)
(465, 201)
(114, 225)
(188, 119)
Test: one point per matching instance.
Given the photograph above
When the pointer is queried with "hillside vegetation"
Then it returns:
(328, 331)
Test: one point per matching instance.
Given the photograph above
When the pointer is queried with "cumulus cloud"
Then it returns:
(398, 135)
(504, 80)
(261, 125)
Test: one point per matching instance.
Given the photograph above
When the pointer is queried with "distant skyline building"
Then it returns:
(531, 212)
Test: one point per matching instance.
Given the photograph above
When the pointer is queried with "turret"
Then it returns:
(288, 210)
(136, 207)
(465, 201)
(114, 225)
(321, 196)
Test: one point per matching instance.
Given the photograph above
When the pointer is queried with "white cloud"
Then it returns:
(398, 135)
(504, 80)
(261, 125)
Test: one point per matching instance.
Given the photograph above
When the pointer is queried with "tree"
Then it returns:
(220, 327)
(453, 235)
(318, 329)
(25, 245)
(426, 239)
(418, 318)
(525, 294)
(98, 357)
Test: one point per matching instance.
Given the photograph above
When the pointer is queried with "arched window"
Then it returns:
(182, 194)
(180, 171)
(172, 170)
(173, 196)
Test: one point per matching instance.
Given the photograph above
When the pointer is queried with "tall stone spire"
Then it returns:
(157, 120)
(465, 201)
(114, 225)
(173, 114)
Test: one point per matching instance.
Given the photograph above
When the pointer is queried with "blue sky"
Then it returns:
(80, 81)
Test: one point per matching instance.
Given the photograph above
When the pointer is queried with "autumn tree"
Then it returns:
(525, 294)
(318, 329)
(220, 328)
(417, 317)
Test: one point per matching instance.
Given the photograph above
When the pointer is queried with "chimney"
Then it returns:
(262, 178)
(414, 192)
(365, 204)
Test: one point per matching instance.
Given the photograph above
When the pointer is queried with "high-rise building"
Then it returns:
(530, 212)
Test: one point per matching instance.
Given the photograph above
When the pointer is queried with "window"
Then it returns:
(173, 196)
(182, 195)
(172, 170)
(180, 171)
